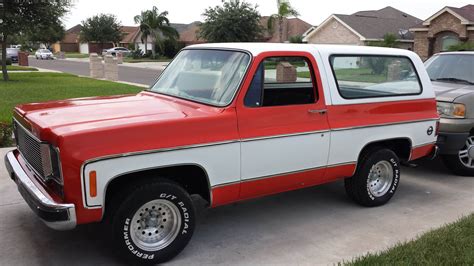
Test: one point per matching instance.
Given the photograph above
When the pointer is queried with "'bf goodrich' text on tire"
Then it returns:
(154, 223)
(376, 179)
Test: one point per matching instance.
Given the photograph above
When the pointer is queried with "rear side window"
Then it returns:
(281, 81)
(370, 76)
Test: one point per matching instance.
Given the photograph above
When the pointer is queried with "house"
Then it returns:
(445, 28)
(292, 27)
(131, 37)
(364, 27)
(72, 43)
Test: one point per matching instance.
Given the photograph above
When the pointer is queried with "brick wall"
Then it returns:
(334, 33)
(447, 22)
(421, 44)
(444, 25)
(69, 47)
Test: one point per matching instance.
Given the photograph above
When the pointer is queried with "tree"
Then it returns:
(102, 28)
(156, 25)
(389, 40)
(296, 39)
(235, 21)
(285, 10)
(23, 17)
(144, 29)
(47, 34)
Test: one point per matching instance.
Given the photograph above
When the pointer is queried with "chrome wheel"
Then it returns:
(155, 225)
(380, 178)
(466, 154)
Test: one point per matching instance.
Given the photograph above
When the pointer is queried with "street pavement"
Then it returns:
(318, 225)
(145, 75)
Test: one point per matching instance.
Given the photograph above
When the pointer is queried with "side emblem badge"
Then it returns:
(430, 131)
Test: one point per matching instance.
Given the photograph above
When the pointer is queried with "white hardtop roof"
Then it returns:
(257, 48)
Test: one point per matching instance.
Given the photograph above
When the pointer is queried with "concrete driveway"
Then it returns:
(312, 226)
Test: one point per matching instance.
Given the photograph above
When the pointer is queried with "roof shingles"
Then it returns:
(375, 24)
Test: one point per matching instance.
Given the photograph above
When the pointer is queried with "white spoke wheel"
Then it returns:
(152, 222)
(376, 178)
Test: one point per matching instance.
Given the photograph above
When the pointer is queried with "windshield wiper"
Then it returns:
(453, 80)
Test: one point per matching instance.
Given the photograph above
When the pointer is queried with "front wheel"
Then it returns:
(463, 162)
(376, 179)
(154, 223)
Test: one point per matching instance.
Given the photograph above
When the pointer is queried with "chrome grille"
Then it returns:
(35, 153)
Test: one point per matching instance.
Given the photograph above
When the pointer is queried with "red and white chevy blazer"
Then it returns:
(228, 122)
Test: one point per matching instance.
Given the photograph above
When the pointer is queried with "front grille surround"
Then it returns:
(39, 155)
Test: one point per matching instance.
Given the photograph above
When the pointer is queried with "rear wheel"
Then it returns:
(376, 179)
(154, 222)
(463, 162)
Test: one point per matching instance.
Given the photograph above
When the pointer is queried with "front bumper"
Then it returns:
(451, 143)
(55, 215)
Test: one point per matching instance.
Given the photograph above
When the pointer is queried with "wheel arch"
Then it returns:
(402, 147)
(199, 185)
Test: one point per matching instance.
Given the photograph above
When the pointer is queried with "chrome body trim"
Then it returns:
(59, 216)
(386, 124)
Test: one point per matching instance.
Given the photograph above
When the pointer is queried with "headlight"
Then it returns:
(451, 110)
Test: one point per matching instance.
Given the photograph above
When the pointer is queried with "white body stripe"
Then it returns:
(221, 162)
(282, 155)
(347, 144)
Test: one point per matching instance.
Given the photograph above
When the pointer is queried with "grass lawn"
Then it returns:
(38, 87)
(354, 74)
(21, 68)
(452, 244)
(142, 60)
(76, 55)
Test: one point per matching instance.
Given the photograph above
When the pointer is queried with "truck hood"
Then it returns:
(72, 115)
(448, 92)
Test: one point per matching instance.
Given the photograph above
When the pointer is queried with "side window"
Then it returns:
(281, 81)
(375, 76)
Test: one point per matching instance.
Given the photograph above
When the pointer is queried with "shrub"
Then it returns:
(136, 54)
(296, 39)
(465, 46)
(6, 131)
(171, 48)
(9, 62)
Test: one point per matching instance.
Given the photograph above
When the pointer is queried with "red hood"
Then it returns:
(93, 114)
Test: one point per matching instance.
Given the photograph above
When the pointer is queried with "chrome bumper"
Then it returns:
(55, 215)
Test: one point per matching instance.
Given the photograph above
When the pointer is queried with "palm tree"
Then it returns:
(140, 19)
(284, 10)
(156, 25)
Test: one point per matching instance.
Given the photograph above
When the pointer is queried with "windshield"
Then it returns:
(206, 76)
(458, 68)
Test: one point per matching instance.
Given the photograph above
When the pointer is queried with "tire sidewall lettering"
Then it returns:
(146, 255)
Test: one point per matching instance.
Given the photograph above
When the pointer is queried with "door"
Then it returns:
(283, 125)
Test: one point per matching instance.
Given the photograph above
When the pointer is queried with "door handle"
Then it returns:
(320, 111)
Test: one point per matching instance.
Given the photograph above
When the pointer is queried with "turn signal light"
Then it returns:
(93, 184)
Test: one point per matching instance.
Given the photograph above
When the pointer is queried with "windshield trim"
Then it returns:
(239, 87)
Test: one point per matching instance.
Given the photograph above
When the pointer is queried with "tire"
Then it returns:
(161, 210)
(376, 179)
(462, 163)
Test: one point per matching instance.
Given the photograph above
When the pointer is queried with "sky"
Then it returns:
(186, 11)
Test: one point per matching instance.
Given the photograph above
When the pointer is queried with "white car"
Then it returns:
(44, 54)
(114, 51)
